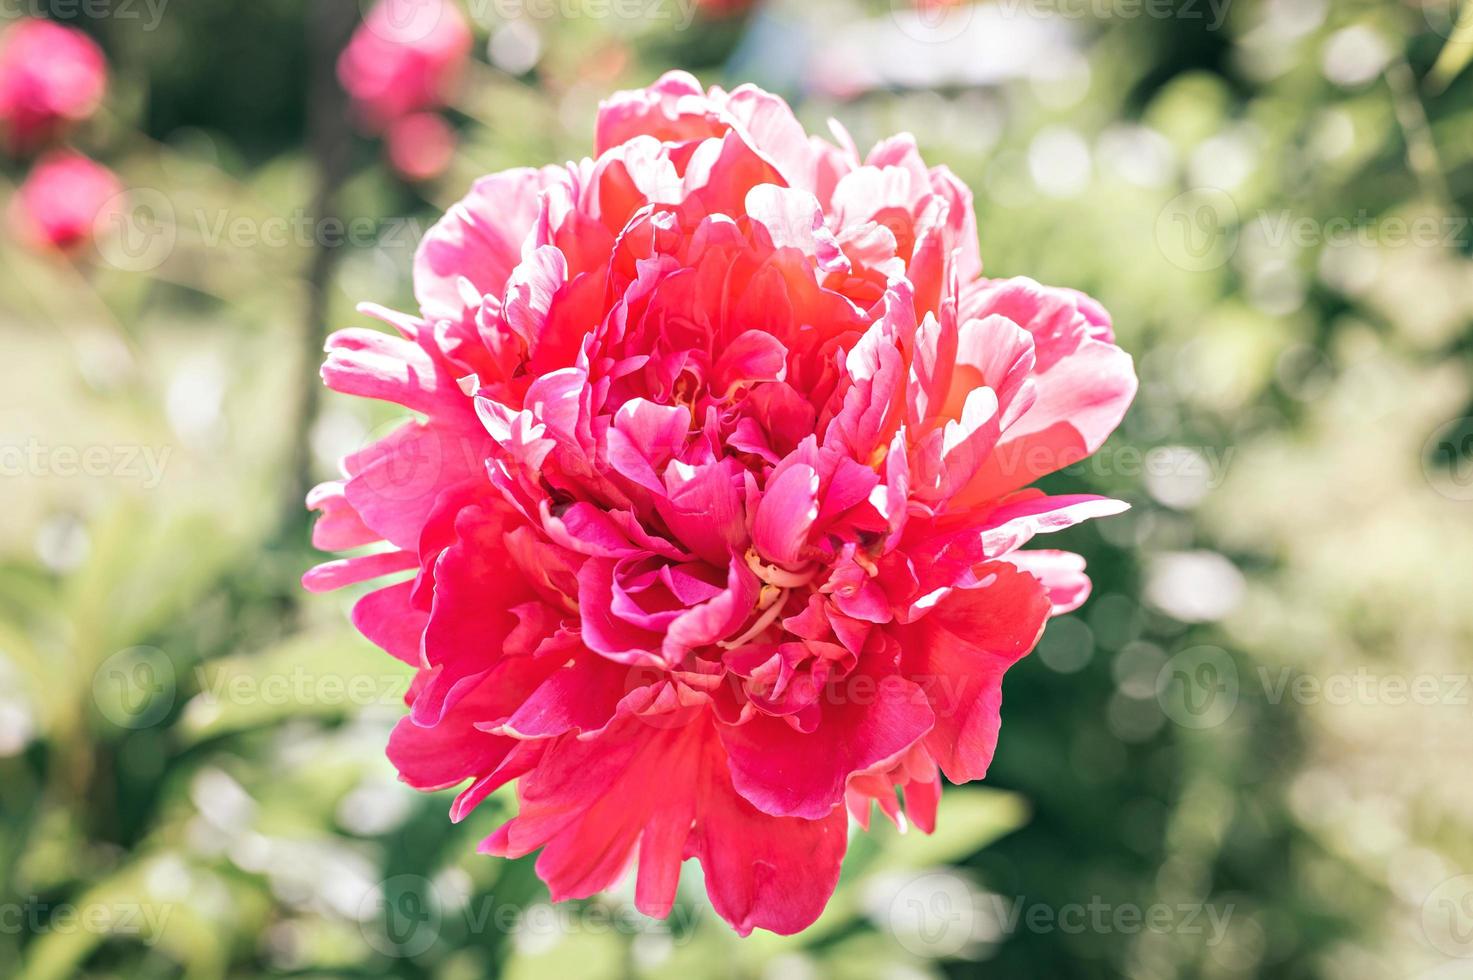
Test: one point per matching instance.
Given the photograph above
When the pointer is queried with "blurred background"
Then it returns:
(1247, 755)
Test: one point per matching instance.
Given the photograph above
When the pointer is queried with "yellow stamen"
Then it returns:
(877, 458)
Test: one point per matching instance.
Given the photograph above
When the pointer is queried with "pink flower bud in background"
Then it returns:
(420, 146)
(51, 78)
(724, 8)
(406, 57)
(59, 205)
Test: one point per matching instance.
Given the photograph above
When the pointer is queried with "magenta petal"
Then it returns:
(339, 528)
(960, 651)
(703, 508)
(765, 872)
(788, 509)
(580, 696)
(604, 632)
(752, 356)
(867, 720)
(387, 617)
(350, 571)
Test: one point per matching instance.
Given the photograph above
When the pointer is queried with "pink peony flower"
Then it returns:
(709, 537)
(406, 57)
(62, 202)
(51, 77)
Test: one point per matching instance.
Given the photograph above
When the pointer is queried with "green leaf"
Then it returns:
(1456, 53)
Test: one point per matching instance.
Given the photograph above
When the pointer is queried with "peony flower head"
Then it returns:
(59, 206)
(51, 77)
(710, 535)
(406, 57)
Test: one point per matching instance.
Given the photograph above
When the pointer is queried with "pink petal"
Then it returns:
(479, 240)
(868, 718)
(789, 507)
(1062, 575)
(958, 654)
